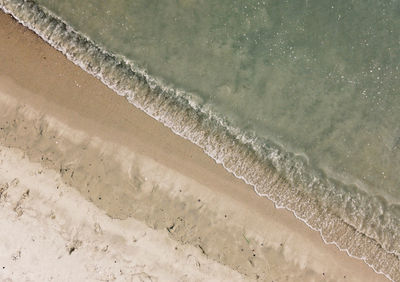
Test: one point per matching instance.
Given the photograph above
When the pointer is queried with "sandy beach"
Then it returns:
(92, 188)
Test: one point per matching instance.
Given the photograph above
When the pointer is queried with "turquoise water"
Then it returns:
(299, 98)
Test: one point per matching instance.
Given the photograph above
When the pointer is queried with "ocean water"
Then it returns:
(298, 98)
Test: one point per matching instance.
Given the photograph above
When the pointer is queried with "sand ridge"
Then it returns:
(55, 234)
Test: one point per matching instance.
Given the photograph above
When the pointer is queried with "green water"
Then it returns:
(318, 77)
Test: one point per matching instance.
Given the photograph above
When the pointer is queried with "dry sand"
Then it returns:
(55, 234)
(122, 175)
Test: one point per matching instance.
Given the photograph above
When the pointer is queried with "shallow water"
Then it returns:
(318, 77)
(309, 88)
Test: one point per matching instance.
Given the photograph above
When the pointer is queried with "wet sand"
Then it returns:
(128, 167)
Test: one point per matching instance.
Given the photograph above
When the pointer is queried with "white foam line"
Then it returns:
(170, 125)
(364, 259)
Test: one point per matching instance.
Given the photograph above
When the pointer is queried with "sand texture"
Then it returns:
(93, 189)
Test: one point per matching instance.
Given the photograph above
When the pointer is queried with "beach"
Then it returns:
(167, 210)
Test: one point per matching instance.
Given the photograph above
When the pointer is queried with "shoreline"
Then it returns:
(62, 90)
(190, 122)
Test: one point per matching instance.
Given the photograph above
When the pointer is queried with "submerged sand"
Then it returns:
(102, 173)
